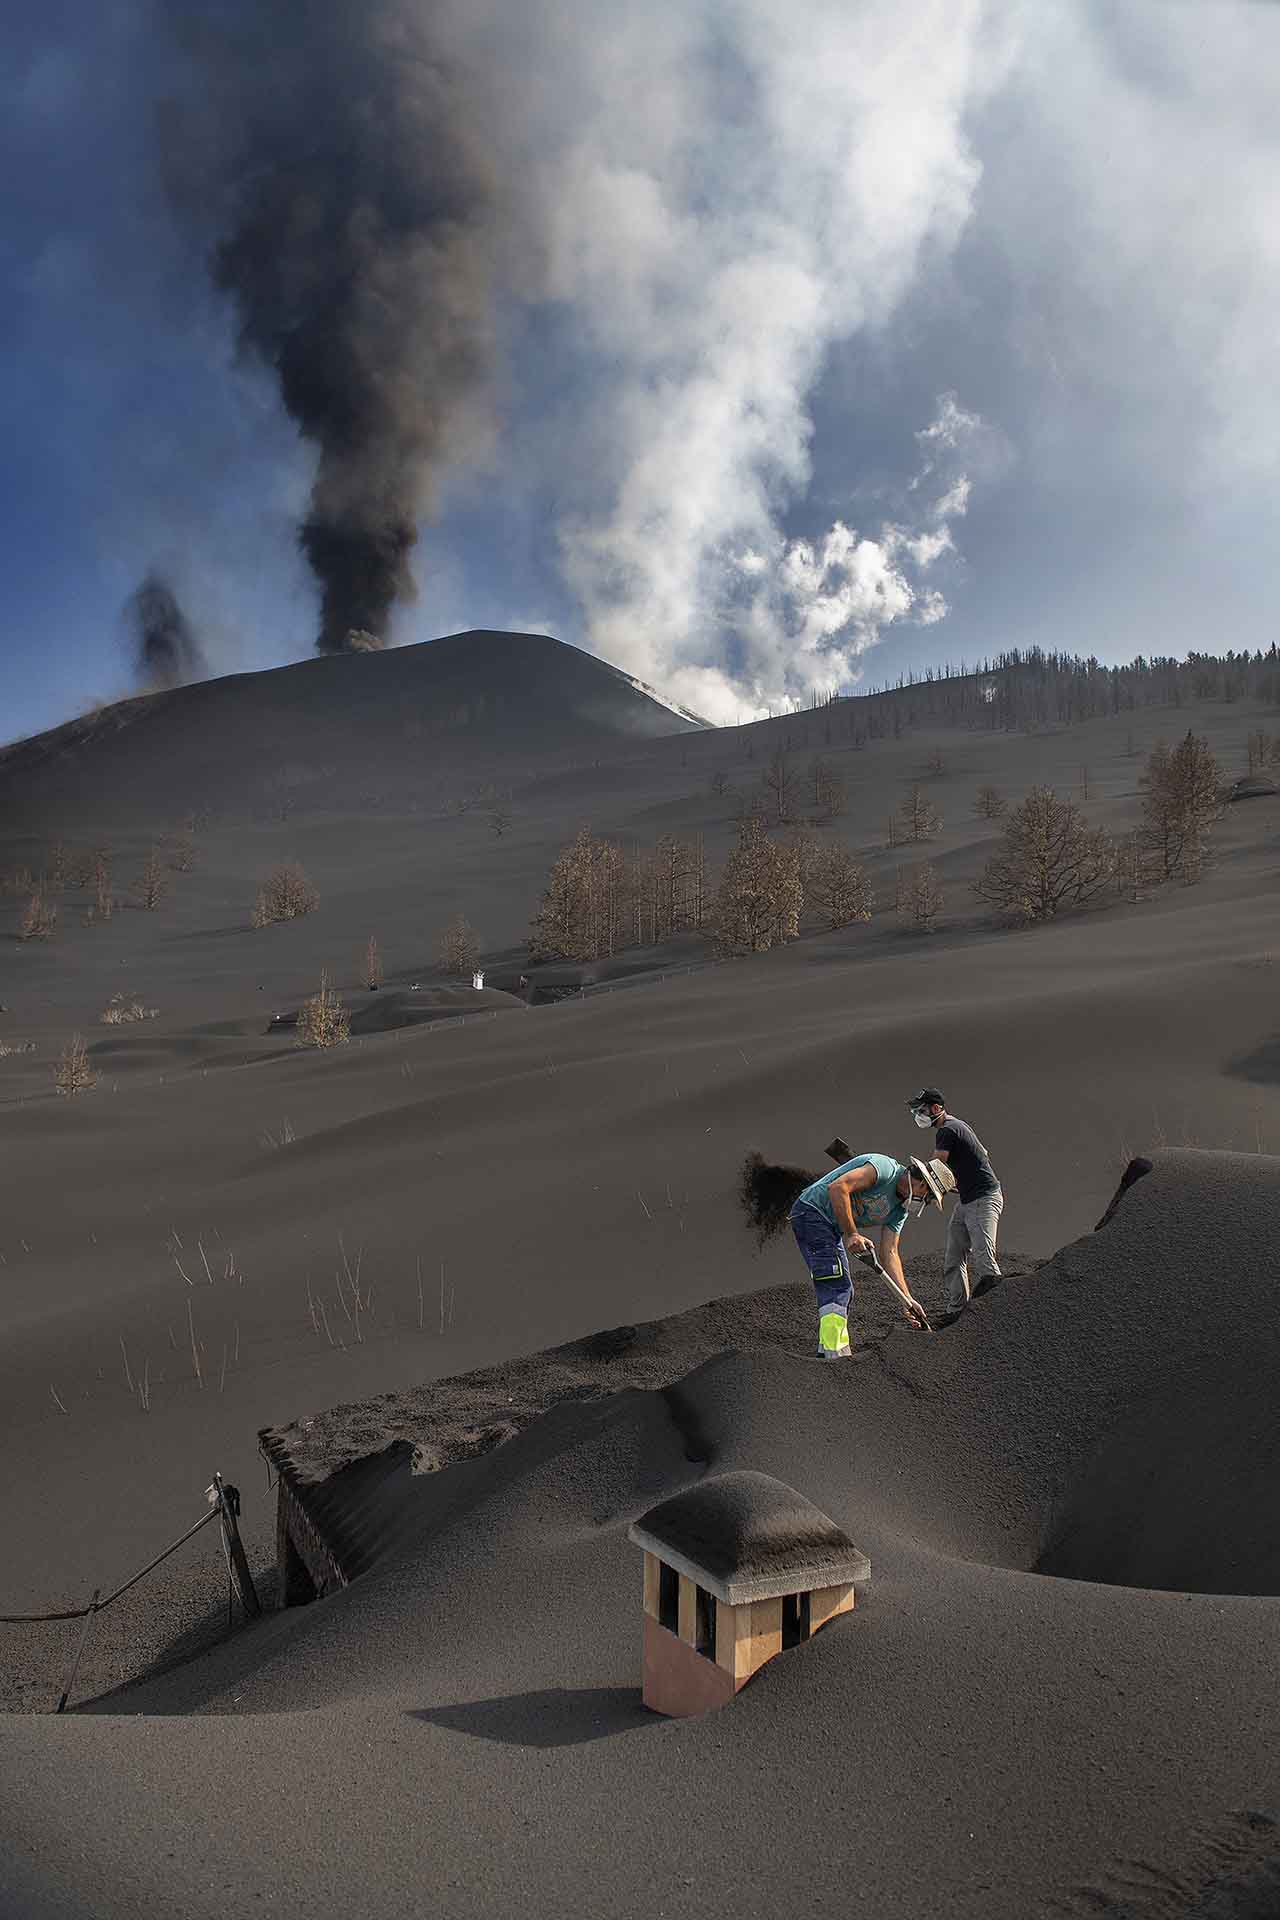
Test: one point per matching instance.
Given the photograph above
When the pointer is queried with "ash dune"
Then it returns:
(1061, 1694)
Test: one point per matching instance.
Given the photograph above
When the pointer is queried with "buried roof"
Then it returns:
(747, 1536)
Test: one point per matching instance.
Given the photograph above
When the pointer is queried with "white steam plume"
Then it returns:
(716, 194)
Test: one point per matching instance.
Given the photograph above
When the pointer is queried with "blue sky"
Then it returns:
(824, 343)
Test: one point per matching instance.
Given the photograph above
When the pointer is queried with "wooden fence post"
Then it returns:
(228, 1502)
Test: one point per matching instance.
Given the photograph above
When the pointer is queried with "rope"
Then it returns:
(96, 1605)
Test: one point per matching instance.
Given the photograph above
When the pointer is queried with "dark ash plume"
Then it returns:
(165, 650)
(355, 223)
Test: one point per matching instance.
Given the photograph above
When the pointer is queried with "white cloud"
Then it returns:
(955, 501)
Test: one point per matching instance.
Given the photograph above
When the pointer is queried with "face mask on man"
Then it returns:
(923, 1117)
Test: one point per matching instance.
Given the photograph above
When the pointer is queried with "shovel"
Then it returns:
(916, 1315)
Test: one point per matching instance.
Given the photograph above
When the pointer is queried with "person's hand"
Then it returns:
(857, 1242)
(916, 1315)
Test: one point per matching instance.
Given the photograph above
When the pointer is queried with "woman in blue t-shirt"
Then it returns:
(870, 1191)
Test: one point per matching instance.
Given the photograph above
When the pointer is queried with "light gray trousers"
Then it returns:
(971, 1238)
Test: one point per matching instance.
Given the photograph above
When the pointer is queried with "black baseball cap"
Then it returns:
(927, 1097)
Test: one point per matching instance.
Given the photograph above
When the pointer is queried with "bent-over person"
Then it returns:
(834, 1216)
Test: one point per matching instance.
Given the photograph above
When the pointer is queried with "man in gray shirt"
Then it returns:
(975, 1218)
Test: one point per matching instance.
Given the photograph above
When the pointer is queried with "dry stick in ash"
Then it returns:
(419, 1293)
(57, 1403)
(124, 1354)
(195, 1350)
(205, 1258)
(354, 1284)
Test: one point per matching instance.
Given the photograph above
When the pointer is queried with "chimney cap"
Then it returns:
(747, 1536)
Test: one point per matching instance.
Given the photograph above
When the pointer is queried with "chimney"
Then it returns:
(735, 1569)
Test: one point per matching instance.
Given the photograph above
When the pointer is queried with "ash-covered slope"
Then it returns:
(1099, 1416)
(975, 1740)
(339, 729)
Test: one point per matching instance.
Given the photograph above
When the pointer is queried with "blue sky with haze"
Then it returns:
(821, 342)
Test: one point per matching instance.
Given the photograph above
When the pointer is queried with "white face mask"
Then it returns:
(915, 1209)
(923, 1118)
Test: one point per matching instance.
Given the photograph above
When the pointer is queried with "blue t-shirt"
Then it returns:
(878, 1206)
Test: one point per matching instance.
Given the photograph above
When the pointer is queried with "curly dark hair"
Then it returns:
(768, 1193)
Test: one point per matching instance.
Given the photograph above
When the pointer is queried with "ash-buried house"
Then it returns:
(735, 1569)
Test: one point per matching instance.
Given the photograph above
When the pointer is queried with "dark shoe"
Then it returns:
(988, 1283)
(937, 1321)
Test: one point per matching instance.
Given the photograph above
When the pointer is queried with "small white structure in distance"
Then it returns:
(477, 980)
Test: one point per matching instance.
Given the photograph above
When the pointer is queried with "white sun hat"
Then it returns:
(929, 1175)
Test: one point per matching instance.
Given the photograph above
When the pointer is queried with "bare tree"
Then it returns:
(790, 893)
(103, 899)
(182, 853)
(807, 850)
(839, 888)
(322, 1020)
(1136, 870)
(152, 883)
(564, 926)
(758, 899)
(1262, 749)
(830, 797)
(779, 782)
(286, 894)
(698, 884)
(73, 1074)
(935, 763)
(920, 818)
(588, 901)
(459, 946)
(39, 920)
(1182, 802)
(500, 821)
(989, 803)
(1051, 859)
(719, 782)
(920, 896)
(371, 966)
